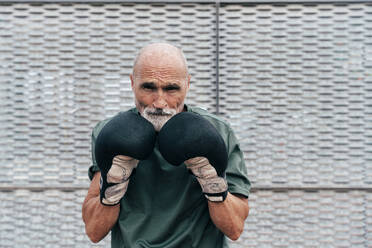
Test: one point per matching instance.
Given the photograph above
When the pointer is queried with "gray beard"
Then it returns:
(158, 117)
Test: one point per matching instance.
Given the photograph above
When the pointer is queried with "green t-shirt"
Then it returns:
(164, 206)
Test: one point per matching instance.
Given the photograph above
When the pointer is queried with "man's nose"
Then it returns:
(160, 102)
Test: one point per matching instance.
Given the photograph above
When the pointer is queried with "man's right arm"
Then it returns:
(98, 218)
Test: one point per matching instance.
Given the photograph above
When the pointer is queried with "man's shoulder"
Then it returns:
(217, 121)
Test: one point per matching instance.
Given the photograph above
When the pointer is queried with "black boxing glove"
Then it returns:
(122, 142)
(189, 138)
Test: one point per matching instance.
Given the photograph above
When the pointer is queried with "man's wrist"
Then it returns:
(111, 195)
(220, 197)
(215, 189)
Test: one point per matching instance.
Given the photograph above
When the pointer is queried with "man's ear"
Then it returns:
(188, 81)
(131, 80)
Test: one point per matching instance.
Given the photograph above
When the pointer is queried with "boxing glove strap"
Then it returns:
(220, 197)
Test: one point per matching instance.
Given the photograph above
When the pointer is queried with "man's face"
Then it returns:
(160, 90)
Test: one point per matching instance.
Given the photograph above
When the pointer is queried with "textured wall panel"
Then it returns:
(296, 84)
(277, 219)
(308, 219)
(43, 219)
(65, 67)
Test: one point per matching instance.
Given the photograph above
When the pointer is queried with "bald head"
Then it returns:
(160, 82)
(160, 55)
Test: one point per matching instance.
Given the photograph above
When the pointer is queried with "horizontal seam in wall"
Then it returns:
(188, 1)
(312, 188)
(253, 189)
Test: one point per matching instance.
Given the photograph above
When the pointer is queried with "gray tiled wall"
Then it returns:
(295, 83)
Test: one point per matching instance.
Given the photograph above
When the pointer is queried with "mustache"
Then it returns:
(155, 111)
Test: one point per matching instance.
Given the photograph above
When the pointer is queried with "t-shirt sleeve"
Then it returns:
(236, 172)
(94, 167)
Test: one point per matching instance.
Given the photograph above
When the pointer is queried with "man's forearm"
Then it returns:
(98, 219)
(229, 215)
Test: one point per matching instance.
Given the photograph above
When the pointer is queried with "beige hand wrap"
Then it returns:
(119, 173)
(207, 177)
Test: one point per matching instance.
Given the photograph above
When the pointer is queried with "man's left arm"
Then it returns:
(217, 163)
(229, 216)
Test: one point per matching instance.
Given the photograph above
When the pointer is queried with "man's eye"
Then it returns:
(148, 87)
(171, 88)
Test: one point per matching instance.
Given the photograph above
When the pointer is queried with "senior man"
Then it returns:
(165, 174)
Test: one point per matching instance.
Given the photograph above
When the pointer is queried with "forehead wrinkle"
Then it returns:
(161, 55)
(161, 74)
(165, 65)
